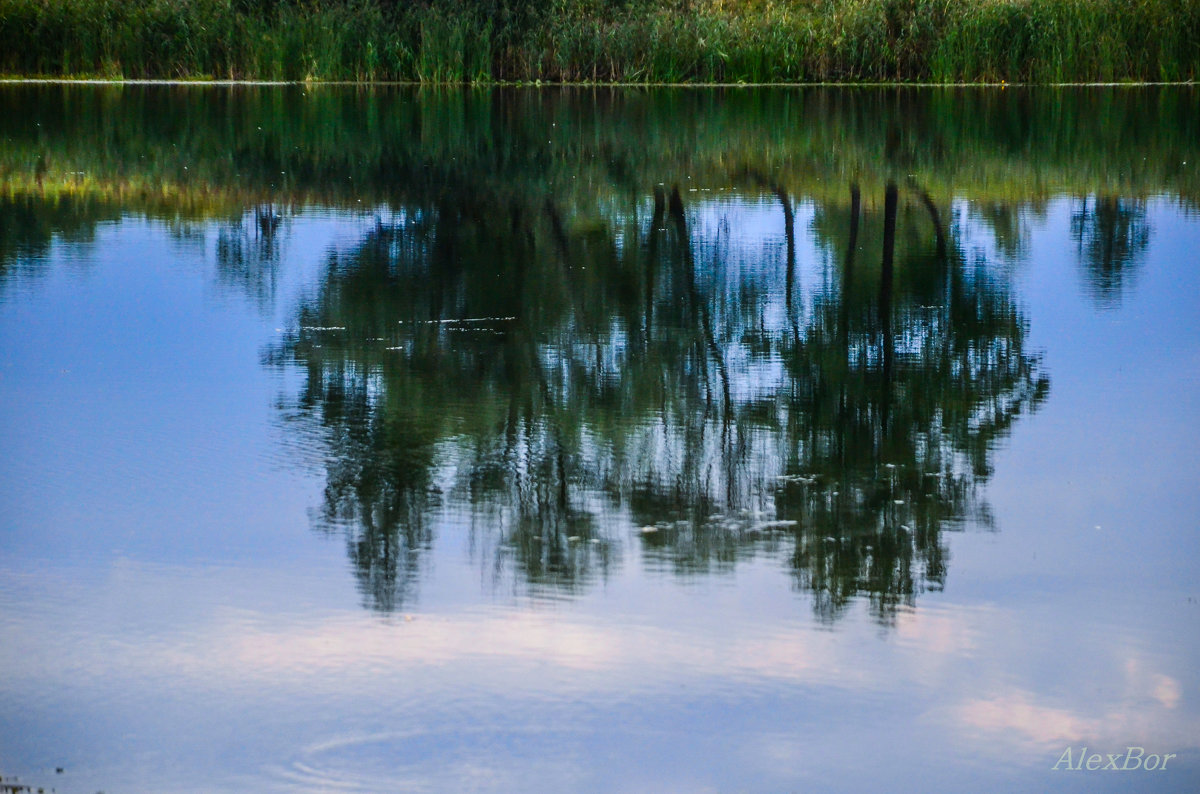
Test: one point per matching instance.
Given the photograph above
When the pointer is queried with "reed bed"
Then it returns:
(631, 41)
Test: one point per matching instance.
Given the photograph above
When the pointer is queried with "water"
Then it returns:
(385, 440)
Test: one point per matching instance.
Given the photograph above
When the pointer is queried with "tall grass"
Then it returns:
(441, 41)
(1064, 40)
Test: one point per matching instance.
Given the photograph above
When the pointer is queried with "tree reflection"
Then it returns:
(1008, 222)
(1111, 235)
(901, 397)
(248, 255)
(535, 345)
(556, 383)
(28, 224)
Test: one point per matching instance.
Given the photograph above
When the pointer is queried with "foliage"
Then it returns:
(649, 41)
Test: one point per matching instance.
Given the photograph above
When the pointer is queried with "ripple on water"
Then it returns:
(497, 757)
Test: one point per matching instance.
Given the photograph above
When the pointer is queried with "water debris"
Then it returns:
(830, 539)
(461, 320)
(766, 526)
(797, 478)
(648, 530)
(574, 539)
(897, 501)
(594, 540)
(906, 528)
(889, 465)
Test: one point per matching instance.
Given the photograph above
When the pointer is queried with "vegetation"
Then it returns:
(639, 41)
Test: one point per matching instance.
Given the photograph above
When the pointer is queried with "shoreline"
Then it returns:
(203, 82)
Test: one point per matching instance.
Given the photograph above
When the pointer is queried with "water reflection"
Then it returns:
(518, 372)
(1111, 235)
(558, 383)
(248, 255)
(536, 344)
(29, 224)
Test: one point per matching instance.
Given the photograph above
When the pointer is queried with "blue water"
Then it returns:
(272, 525)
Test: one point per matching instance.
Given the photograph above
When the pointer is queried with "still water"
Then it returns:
(758, 440)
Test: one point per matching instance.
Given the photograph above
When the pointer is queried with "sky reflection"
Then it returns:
(622, 490)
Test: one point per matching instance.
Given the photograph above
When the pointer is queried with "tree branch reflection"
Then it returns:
(555, 386)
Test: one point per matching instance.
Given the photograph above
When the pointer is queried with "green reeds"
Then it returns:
(1072, 40)
(753, 41)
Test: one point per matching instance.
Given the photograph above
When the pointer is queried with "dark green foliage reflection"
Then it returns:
(534, 347)
(1111, 234)
(561, 386)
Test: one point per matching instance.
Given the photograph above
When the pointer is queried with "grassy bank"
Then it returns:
(605, 40)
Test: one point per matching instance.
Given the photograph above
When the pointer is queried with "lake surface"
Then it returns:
(616, 440)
